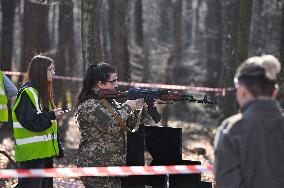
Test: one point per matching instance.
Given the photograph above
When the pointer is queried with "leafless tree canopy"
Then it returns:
(186, 42)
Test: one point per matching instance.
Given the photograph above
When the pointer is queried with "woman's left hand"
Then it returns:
(58, 113)
(135, 104)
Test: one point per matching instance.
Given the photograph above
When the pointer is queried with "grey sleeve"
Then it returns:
(227, 162)
(10, 88)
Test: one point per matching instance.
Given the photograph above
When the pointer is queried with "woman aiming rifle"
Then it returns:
(103, 125)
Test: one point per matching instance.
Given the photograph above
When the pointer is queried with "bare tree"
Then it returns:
(235, 45)
(8, 14)
(105, 31)
(118, 37)
(281, 78)
(35, 32)
(90, 32)
(175, 52)
(266, 17)
(214, 43)
(65, 56)
(137, 62)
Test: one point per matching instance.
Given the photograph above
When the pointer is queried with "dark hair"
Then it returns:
(94, 74)
(37, 75)
(259, 74)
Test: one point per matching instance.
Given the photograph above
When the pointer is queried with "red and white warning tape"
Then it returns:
(146, 85)
(105, 171)
(56, 77)
(13, 73)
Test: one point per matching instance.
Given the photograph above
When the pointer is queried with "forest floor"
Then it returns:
(197, 143)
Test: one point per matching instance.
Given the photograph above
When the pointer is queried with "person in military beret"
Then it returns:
(103, 125)
(249, 146)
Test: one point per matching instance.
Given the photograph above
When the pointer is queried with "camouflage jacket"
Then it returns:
(103, 141)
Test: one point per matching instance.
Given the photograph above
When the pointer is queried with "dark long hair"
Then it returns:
(37, 75)
(94, 74)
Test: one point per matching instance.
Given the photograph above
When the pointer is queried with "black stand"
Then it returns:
(165, 146)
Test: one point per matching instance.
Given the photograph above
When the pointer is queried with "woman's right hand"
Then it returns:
(58, 113)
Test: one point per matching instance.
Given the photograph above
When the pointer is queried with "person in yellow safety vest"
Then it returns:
(34, 122)
(7, 91)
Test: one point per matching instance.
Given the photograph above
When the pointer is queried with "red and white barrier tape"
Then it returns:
(56, 77)
(14, 73)
(146, 85)
(105, 171)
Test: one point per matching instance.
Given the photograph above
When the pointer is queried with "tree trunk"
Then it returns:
(61, 60)
(166, 23)
(35, 32)
(105, 31)
(281, 75)
(8, 14)
(235, 46)
(90, 32)
(174, 56)
(214, 43)
(74, 89)
(118, 38)
(265, 28)
(135, 42)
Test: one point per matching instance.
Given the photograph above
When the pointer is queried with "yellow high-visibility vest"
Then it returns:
(3, 100)
(34, 145)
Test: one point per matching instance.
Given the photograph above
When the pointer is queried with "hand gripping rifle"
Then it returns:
(151, 95)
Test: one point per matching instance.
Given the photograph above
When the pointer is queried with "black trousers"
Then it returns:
(36, 182)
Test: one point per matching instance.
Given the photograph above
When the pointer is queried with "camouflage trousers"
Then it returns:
(101, 182)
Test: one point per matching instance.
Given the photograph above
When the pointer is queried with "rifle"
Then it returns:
(151, 95)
